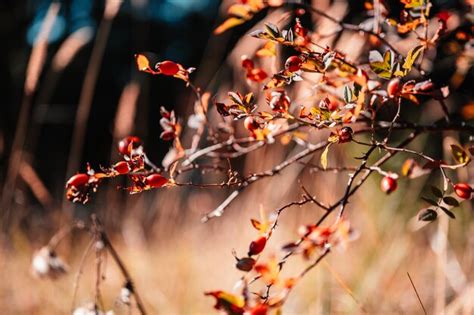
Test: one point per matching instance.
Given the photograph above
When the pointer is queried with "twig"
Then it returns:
(79, 273)
(122, 269)
(416, 292)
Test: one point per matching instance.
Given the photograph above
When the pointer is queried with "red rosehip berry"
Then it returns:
(247, 63)
(393, 87)
(300, 11)
(463, 190)
(155, 180)
(168, 67)
(124, 144)
(122, 167)
(78, 180)
(345, 134)
(293, 63)
(256, 75)
(257, 246)
(388, 184)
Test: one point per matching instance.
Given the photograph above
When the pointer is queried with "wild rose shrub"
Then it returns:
(348, 102)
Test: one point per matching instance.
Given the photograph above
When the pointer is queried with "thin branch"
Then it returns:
(105, 239)
(417, 295)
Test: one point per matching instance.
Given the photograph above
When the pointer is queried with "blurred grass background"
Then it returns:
(174, 258)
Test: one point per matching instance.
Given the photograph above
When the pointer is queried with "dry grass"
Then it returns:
(184, 258)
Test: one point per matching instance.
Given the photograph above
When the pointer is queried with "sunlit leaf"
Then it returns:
(412, 4)
(143, 63)
(324, 156)
(382, 66)
(411, 57)
(459, 154)
(269, 271)
(256, 224)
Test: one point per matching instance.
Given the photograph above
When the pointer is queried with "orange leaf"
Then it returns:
(228, 24)
(256, 224)
(142, 62)
(269, 271)
(240, 10)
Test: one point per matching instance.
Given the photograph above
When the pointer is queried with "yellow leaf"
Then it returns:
(459, 154)
(324, 156)
(411, 4)
(411, 57)
(142, 62)
(227, 24)
(381, 66)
